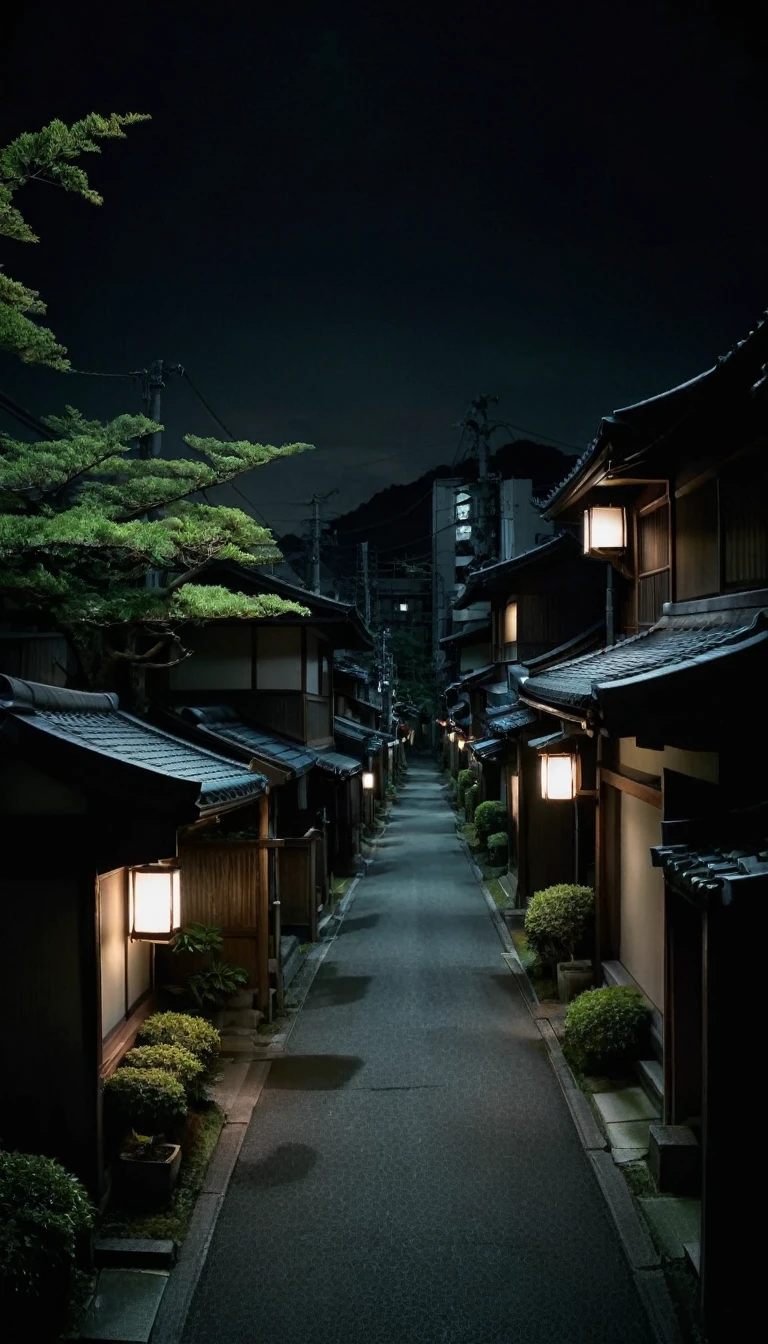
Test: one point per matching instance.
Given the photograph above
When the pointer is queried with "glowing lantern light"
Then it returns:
(558, 776)
(368, 779)
(605, 529)
(461, 744)
(155, 892)
(451, 737)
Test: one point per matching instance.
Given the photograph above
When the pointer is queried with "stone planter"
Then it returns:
(573, 977)
(149, 1180)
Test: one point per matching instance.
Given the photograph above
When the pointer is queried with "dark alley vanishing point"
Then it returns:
(411, 1171)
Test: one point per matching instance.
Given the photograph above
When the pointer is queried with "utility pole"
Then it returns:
(316, 532)
(154, 382)
(386, 682)
(366, 581)
(476, 421)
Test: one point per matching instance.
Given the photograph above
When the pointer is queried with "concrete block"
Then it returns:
(674, 1159)
(133, 1253)
(627, 1104)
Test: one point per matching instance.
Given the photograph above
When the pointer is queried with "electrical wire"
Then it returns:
(91, 373)
(24, 416)
(218, 421)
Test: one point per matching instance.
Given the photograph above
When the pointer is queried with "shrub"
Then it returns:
(606, 1027)
(470, 801)
(217, 983)
(498, 846)
(464, 780)
(489, 817)
(44, 1214)
(558, 919)
(148, 1100)
(174, 1059)
(193, 1033)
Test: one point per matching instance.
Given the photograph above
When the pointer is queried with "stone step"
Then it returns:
(124, 1305)
(651, 1076)
(133, 1253)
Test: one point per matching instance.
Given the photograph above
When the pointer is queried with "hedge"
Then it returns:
(558, 919)
(604, 1028)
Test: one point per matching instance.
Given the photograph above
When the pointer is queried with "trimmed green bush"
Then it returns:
(193, 1033)
(464, 780)
(174, 1059)
(150, 1101)
(489, 818)
(498, 847)
(44, 1215)
(605, 1028)
(470, 801)
(558, 919)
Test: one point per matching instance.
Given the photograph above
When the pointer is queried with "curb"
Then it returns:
(643, 1259)
(174, 1307)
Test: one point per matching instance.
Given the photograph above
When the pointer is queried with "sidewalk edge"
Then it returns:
(644, 1262)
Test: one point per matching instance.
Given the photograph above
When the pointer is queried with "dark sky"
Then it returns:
(348, 219)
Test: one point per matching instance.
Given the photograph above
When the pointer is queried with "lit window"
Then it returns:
(510, 623)
(464, 532)
(402, 606)
(462, 511)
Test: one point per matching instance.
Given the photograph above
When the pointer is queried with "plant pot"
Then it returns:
(149, 1181)
(573, 977)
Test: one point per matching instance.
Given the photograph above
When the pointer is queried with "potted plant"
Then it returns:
(46, 1222)
(142, 1106)
(606, 1028)
(557, 923)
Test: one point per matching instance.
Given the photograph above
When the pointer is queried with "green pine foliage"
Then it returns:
(49, 156)
(96, 540)
(80, 532)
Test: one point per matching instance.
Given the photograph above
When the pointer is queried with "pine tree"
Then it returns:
(45, 156)
(101, 542)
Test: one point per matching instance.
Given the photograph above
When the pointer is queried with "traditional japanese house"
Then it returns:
(97, 806)
(277, 673)
(546, 599)
(674, 493)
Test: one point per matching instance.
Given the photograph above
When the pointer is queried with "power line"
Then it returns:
(24, 416)
(91, 373)
(218, 421)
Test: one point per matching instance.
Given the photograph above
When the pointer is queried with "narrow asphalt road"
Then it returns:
(411, 1172)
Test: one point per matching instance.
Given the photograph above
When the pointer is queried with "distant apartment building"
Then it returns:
(473, 524)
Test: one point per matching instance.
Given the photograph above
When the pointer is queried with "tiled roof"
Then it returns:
(470, 630)
(492, 578)
(677, 639)
(119, 737)
(653, 417)
(336, 763)
(722, 873)
(510, 722)
(489, 749)
(226, 723)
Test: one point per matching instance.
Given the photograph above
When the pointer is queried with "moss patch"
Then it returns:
(500, 897)
(172, 1223)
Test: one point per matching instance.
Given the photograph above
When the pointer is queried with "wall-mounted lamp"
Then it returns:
(451, 737)
(155, 896)
(605, 529)
(461, 744)
(558, 776)
(368, 780)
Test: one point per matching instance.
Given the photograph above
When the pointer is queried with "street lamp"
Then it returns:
(558, 776)
(605, 529)
(155, 902)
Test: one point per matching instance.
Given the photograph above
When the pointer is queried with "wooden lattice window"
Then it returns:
(653, 560)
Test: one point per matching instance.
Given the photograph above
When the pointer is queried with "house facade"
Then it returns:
(673, 494)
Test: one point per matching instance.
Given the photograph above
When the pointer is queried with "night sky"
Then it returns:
(347, 220)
